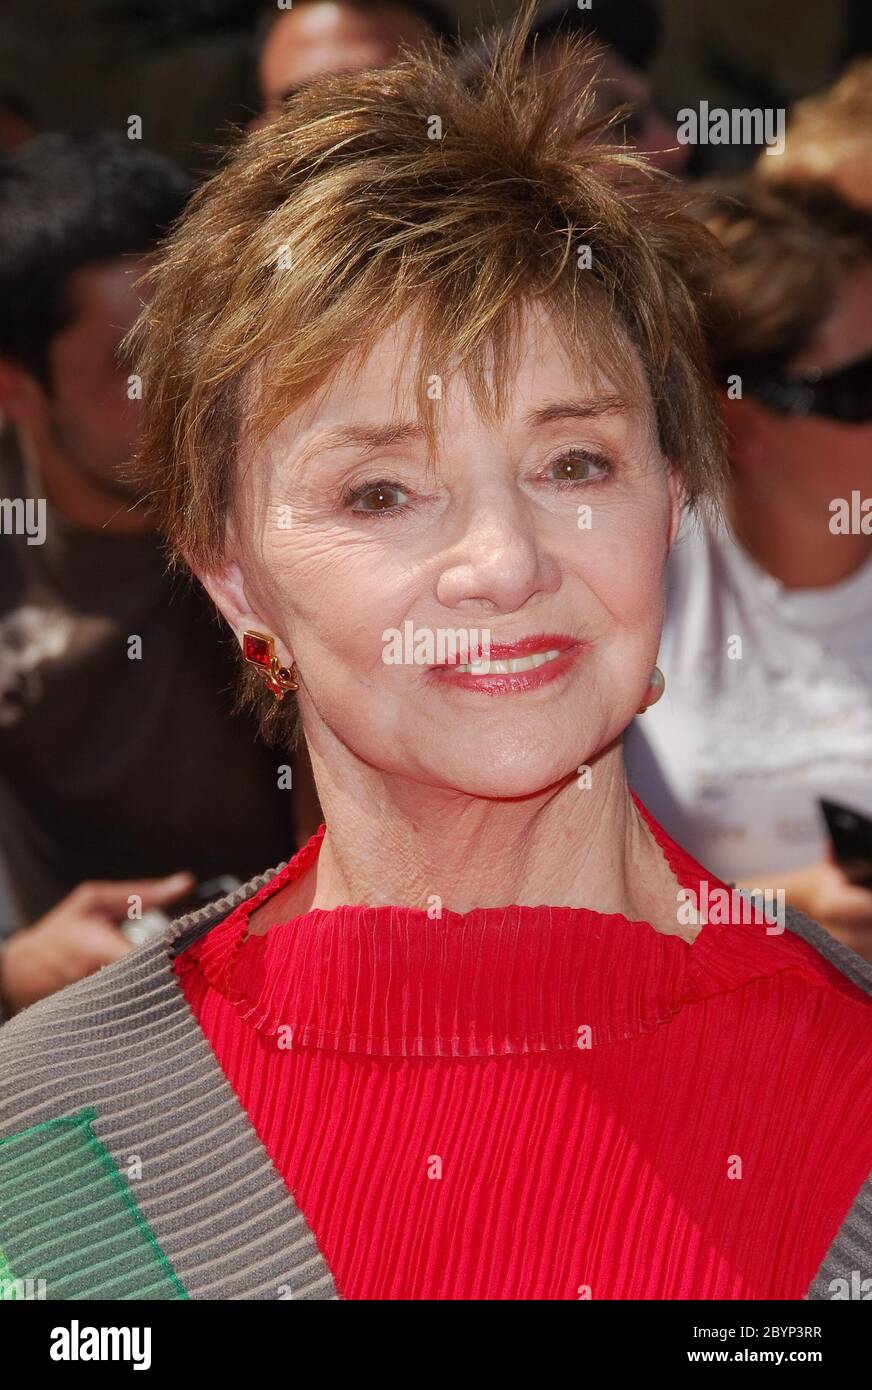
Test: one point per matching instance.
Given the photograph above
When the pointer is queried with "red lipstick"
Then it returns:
(565, 651)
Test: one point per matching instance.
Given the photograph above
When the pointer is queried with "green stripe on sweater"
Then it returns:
(67, 1216)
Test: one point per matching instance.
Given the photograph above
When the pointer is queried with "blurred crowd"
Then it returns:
(758, 758)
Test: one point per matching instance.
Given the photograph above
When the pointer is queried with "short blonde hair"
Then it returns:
(413, 187)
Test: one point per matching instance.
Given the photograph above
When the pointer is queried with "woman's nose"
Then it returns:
(499, 562)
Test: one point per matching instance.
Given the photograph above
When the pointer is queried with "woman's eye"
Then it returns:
(380, 496)
(577, 466)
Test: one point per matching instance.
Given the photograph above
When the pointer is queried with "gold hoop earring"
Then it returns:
(259, 650)
(656, 687)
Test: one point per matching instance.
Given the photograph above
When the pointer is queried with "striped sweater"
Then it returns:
(129, 1169)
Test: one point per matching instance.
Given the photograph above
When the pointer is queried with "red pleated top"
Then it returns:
(545, 1102)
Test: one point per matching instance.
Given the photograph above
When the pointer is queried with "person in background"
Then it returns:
(17, 124)
(316, 37)
(829, 139)
(766, 652)
(116, 729)
(627, 33)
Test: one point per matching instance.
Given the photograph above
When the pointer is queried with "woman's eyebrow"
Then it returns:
(357, 437)
(400, 431)
(576, 409)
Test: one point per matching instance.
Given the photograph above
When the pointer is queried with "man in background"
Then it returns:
(628, 32)
(116, 723)
(316, 37)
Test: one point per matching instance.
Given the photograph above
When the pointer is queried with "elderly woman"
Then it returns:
(414, 369)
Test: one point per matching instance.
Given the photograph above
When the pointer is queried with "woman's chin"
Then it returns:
(513, 778)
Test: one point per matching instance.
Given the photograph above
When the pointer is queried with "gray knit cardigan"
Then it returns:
(129, 1170)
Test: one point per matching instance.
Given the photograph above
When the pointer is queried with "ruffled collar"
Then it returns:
(392, 981)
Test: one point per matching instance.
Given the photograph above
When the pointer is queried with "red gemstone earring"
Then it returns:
(259, 649)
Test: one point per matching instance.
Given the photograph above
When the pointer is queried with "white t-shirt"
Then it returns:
(733, 758)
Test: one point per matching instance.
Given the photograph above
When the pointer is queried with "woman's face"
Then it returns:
(553, 525)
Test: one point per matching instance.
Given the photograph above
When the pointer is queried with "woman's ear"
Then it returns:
(226, 589)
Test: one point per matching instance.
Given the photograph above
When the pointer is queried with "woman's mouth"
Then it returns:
(515, 663)
(512, 667)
